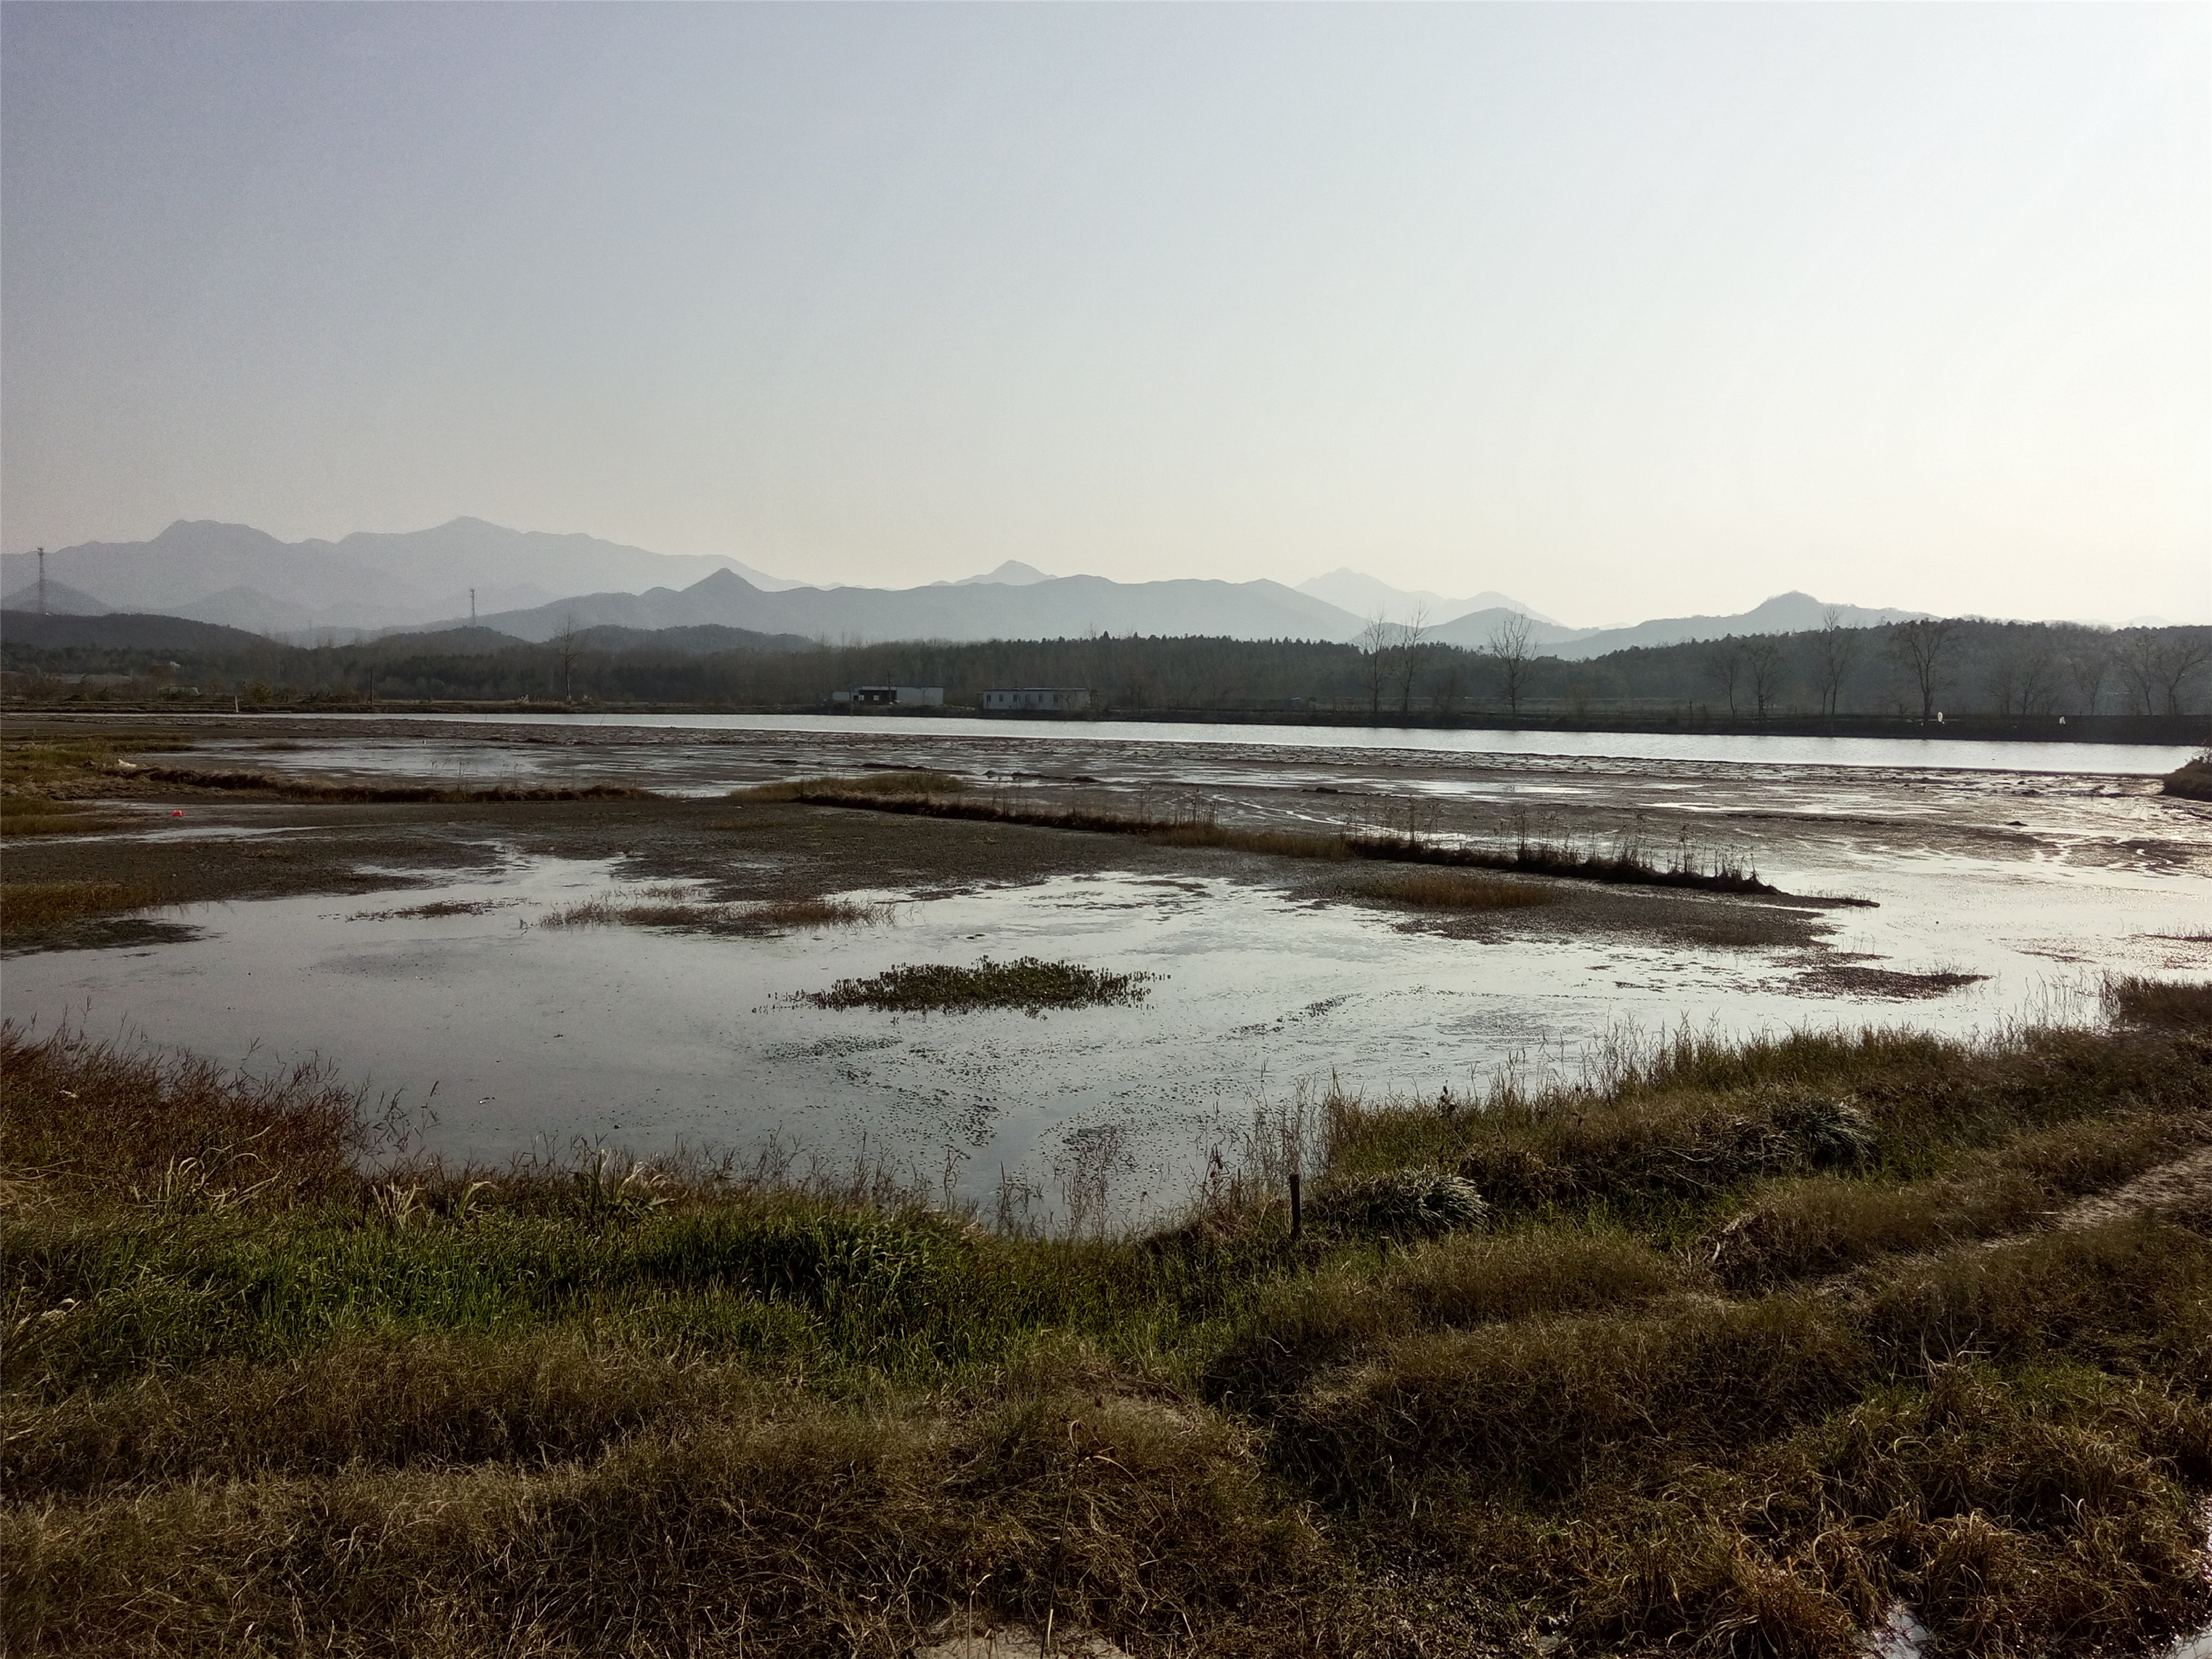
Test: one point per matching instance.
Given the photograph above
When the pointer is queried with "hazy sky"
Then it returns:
(1625, 310)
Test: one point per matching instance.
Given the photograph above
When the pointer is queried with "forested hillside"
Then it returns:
(1913, 669)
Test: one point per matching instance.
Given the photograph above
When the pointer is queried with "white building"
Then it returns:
(1037, 700)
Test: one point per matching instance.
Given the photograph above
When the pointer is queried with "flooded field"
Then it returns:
(408, 947)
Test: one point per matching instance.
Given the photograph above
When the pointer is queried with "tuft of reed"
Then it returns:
(2131, 1000)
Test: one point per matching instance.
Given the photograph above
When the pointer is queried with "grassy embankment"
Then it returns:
(1716, 1351)
(942, 795)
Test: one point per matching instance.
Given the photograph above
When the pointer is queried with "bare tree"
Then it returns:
(2003, 673)
(1378, 644)
(1448, 684)
(1837, 646)
(1922, 646)
(567, 643)
(2036, 675)
(1411, 633)
(1768, 662)
(1512, 646)
(1726, 666)
(2155, 661)
(2089, 665)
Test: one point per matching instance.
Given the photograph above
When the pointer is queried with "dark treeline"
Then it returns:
(1911, 670)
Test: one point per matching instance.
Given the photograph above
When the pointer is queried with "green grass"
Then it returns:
(1717, 1349)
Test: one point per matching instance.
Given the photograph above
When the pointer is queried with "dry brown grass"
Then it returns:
(104, 1121)
(27, 906)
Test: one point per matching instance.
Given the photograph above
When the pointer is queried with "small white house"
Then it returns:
(888, 697)
(1037, 700)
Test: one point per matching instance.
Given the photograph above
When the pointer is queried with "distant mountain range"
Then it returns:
(241, 577)
(1363, 596)
(620, 597)
(1785, 613)
(1049, 607)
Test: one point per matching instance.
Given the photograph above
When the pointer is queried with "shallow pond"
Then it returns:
(649, 1038)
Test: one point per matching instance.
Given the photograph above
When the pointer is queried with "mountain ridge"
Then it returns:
(237, 576)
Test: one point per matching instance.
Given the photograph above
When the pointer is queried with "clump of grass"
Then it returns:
(672, 905)
(2131, 1000)
(1435, 890)
(892, 784)
(820, 913)
(1028, 983)
(26, 906)
(2192, 780)
(1399, 1202)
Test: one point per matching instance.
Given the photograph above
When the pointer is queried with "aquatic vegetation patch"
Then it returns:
(434, 908)
(1028, 983)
